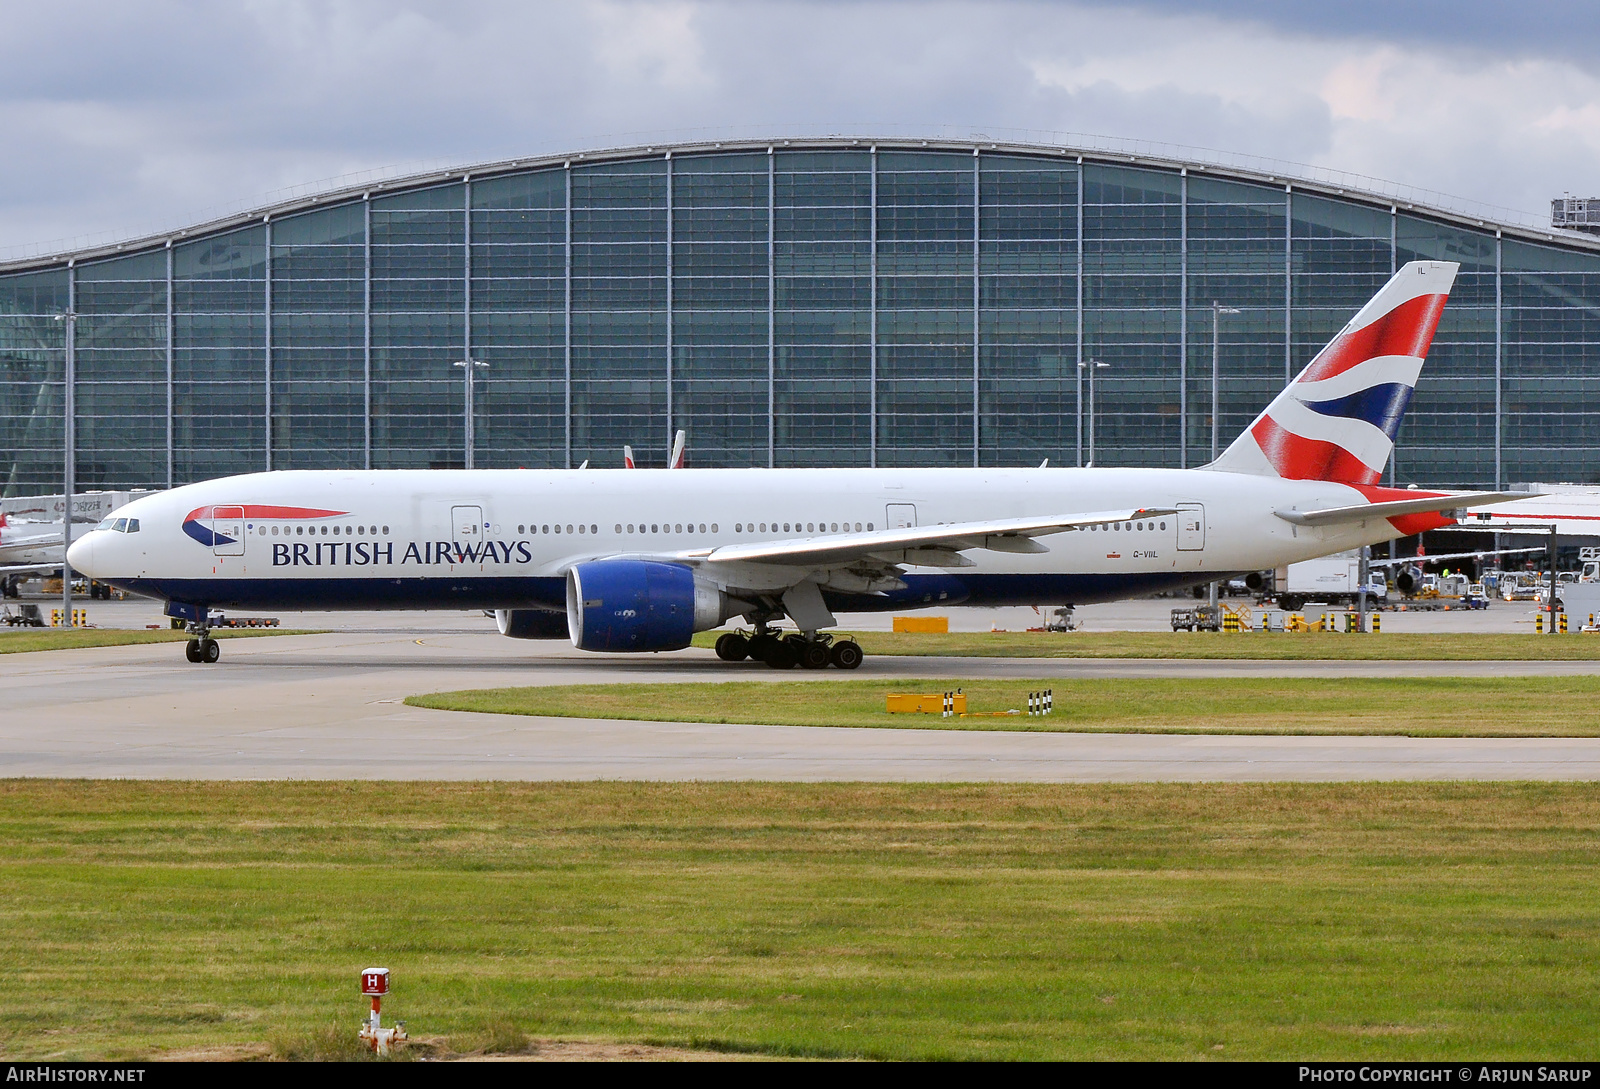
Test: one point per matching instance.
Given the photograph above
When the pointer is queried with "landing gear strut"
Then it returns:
(202, 648)
(815, 651)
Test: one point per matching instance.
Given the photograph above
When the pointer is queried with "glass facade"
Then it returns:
(789, 306)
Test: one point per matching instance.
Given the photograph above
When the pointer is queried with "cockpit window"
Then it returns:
(133, 525)
(120, 526)
(105, 523)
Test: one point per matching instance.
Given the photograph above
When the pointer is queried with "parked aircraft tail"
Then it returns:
(1338, 419)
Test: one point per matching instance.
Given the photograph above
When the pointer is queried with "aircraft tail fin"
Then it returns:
(1338, 419)
(679, 442)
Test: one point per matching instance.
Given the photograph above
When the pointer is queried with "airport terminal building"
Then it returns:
(799, 303)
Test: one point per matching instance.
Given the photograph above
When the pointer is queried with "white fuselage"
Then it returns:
(504, 539)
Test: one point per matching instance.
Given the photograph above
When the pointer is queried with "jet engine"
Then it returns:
(1408, 579)
(531, 623)
(637, 605)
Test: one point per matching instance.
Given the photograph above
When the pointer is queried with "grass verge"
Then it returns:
(22, 640)
(1405, 706)
(1443, 647)
(896, 921)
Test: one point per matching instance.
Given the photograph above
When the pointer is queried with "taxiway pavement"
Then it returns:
(329, 707)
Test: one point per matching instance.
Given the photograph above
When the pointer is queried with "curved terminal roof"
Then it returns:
(1282, 179)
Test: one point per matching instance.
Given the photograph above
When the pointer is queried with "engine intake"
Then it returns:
(639, 605)
(531, 623)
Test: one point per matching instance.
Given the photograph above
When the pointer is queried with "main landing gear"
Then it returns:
(816, 651)
(202, 648)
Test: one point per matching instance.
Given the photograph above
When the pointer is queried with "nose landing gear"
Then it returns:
(202, 648)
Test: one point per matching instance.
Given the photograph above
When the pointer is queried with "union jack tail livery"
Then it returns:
(1338, 419)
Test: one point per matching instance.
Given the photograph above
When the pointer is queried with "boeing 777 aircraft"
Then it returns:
(640, 561)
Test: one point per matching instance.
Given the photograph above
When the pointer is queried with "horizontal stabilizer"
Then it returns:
(1426, 504)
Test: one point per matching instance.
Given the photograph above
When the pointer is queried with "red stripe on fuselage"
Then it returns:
(1406, 330)
(264, 512)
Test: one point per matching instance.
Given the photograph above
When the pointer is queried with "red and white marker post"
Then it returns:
(375, 983)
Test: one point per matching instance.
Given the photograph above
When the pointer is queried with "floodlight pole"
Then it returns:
(69, 443)
(470, 365)
(1217, 310)
(1091, 365)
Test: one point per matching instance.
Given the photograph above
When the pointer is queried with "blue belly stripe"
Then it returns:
(521, 592)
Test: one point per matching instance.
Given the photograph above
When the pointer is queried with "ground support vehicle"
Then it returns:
(1199, 618)
(23, 616)
(1331, 580)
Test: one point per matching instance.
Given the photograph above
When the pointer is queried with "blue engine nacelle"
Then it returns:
(531, 623)
(623, 605)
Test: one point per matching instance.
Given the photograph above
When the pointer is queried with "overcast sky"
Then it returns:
(124, 118)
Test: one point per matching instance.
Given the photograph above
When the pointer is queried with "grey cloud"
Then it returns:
(1567, 30)
(121, 119)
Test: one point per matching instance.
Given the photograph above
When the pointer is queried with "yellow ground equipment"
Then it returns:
(923, 625)
(925, 703)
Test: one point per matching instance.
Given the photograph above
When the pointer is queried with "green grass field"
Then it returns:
(1440, 647)
(1372, 921)
(21, 640)
(1407, 706)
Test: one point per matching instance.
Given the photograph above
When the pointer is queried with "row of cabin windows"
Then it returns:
(690, 527)
(303, 531)
(131, 525)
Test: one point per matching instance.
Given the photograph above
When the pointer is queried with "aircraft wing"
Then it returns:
(31, 568)
(1426, 504)
(1418, 560)
(928, 546)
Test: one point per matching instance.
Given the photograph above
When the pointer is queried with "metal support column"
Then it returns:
(1183, 320)
(1499, 360)
(671, 438)
(872, 334)
(977, 209)
(1394, 242)
(366, 330)
(566, 326)
(772, 307)
(1288, 283)
(1078, 359)
(69, 436)
(171, 322)
(470, 365)
(267, 367)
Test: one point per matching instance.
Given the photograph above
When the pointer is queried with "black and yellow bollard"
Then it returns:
(1376, 625)
(1563, 623)
(1538, 624)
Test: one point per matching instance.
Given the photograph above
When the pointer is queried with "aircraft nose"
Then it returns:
(81, 555)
